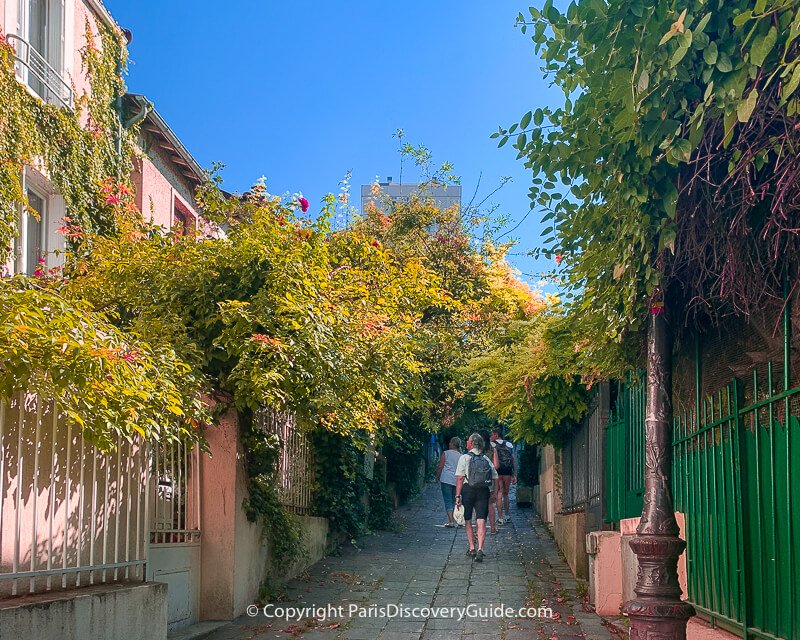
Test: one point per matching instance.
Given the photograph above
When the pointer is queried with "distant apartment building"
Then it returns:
(444, 196)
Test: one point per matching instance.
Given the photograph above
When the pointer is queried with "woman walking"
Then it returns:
(446, 475)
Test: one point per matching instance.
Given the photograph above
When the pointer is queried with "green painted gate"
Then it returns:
(736, 478)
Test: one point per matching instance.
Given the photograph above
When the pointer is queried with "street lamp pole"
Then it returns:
(658, 613)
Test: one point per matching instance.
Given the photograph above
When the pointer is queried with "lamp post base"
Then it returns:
(658, 613)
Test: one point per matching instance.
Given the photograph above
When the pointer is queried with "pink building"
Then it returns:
(48, 37)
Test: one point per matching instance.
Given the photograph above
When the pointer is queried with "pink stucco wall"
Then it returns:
(156, 195)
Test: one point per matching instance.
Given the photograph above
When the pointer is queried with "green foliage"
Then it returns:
(530, 380)
(339, 486)
(283, 530)
(107, 382)
(280, 312)
(380, 505)
(528, 472)
(666, 166)
(78, 148)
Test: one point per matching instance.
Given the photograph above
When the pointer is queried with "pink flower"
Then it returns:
(112, 199)
(303, 204)
(657, 308)
(42, 260)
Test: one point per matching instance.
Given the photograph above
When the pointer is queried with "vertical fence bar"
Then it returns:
(81, 491)
(67, 489)
(138, 470)
(128, 510)
(106, 460)
(147, 520)
(93, 526)
(117, 500)
(20, 468)
(740, 444)
(773, 497)
(35, 501)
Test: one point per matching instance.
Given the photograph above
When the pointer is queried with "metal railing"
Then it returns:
(582, 457)
(38, 74)
(735, 477)
(294, 471)
(624, 449)
(175, 499)
(70, 515)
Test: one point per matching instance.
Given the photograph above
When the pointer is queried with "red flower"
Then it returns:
(376, 244)
(303, 204)
(657, 308)
(559, 258)
(112, 199)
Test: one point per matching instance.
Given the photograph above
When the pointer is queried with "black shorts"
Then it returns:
(476, 498)
(505, 471)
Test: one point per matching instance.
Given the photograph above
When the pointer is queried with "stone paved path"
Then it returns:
(423, 565)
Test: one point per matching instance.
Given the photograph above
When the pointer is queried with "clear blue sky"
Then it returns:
(302, 91)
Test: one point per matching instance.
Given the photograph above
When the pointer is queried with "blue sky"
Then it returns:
(301, 92)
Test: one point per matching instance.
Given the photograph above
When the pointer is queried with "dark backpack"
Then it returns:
(505, 456)
(480, 471)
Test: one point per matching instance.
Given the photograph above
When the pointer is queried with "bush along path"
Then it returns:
(424, 566)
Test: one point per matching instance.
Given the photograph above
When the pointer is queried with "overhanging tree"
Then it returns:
(669, 180)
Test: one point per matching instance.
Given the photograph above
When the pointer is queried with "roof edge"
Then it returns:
(155, 117)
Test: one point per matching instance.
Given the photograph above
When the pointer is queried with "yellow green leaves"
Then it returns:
(106, 382)
(746, 107)
(675, 29)
(762, 46)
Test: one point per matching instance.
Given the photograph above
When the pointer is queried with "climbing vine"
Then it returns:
(78, 148)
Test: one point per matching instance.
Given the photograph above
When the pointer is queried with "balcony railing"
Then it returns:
(39, 75)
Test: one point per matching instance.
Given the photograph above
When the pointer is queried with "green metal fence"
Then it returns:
(625, 453)
(736, 479)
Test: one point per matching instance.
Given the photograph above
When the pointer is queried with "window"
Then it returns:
(39, 242)
(39, 49)
(34, 246)
(183, 221)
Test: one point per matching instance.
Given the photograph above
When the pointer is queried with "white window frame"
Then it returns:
(56, 40)
(51, 243)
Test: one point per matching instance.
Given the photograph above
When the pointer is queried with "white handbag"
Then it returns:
(458, 514)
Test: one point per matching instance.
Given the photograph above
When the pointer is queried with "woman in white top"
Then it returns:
(446, 475)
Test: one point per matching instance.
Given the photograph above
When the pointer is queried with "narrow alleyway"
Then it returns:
(424, 565)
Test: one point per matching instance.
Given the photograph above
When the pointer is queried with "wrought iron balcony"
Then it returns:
(38, 74)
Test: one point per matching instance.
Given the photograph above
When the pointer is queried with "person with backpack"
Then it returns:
(475, 476)
(446, 475)
(506, 463)
(489, 452)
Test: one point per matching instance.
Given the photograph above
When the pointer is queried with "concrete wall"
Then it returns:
(569, 532)
(135, 611)
(605, 572)
(235, 555)
(548, 500)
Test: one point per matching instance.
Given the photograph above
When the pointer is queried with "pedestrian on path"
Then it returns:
(506, 463)
(489, 452)
(446, 475)
(475, 475)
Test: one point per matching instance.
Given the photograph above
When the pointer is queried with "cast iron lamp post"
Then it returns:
(658, 613)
